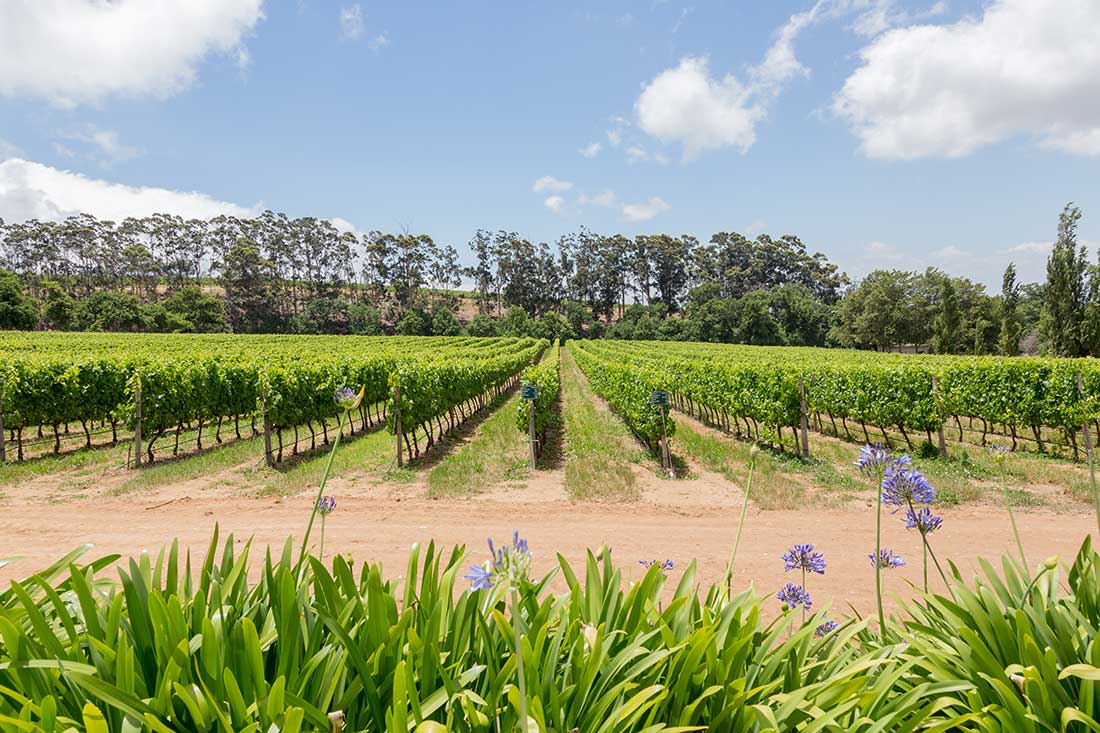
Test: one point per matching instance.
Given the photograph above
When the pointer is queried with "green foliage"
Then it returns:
(176, 646)
(482, 325)
(627, 386)
(414, 323)
(1009, 341)
(364, 320)
(203, 312)
(58, 307)
(109, 311)
(1064, 295)
(444, 323)
(17, 311)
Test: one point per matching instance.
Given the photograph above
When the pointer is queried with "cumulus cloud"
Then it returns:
(591, 150)
(549, 184)
(556, 204)
(104, 146)
(1024, 67)
(74, 51)
(351, 22)
(30, 190)
(605, 199)
(645, 210)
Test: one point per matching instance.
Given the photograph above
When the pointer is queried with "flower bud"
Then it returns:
(1051, 562)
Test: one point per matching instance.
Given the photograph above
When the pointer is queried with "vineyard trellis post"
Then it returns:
(803, 420)
(3, 446)
(137, 423)
(269, 460)
(939, 428)
(397, 423)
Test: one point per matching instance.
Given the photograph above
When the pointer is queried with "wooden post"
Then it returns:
(939, 428)
(1085, 432)
(137, 424)
(269, 460)
(397, 423)
(804, 421)
(531, 432)
(3, 447)
(666, 458)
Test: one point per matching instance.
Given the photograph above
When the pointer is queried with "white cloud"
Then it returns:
(1024, 67)
(351, 22)
(687, 105)
(105, 146)
(644, 211)
(31, 190)
(604, 199)
(591, 150)
(9, 150)
(614, 137)
(951, 253)
(74, 51)
(1032, 248)
(556, 204)
(551, 185)
(636, 153)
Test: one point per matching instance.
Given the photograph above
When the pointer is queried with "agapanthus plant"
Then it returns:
(804, 559)
(347, 400)
(925, 522)
(875, 462)
(508, 567)
(887, 559)
(792, 596)
(664, 566)
(902, 485)
(754, 451)
(325, 505)
(826, 628)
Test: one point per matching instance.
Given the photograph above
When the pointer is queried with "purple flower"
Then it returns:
(826, 628)
(479, 577)
(664, 567)
(923, 520)
(509, 563)
(794, 596)
(886, 559)
(803, 557)
(902, 485)
(326, 505)
(347, 398)
(872, 459)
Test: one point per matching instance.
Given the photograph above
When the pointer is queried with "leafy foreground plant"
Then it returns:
(177, 647)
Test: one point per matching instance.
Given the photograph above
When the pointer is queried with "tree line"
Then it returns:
(273, 273)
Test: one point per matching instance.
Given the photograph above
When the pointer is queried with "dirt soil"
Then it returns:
(677, 519)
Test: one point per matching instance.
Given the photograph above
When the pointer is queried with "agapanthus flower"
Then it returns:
(999, 453)
(347, 398)
(326, 505)
(803, 557)
(508, 564)
(903, 484)
(886, 559)
(826, 628)
(794, 596)
(923, 520)
(664, 566)
(873, 458)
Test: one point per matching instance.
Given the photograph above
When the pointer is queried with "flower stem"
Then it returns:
(1012, 518)
(807, 594)
(321, 548)
(519, 661)
(924, 557)
(878, 557)
(927, 548)
(317, 499)
(1092, 482)
(741, 526)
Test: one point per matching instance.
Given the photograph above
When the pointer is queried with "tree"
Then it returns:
(110, 311)
(58, 307)
(482, 325)
(876, 313)
(1009, 341)
(364, 320)
(803, 319)
(515, 322)
(444, 322)
(414, 323)
(248, 280)
(946, 328)
(17, 310)
(204, 312)
(1064, 293)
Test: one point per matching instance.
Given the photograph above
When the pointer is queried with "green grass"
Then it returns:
(497, 452)
(372, 452)
(599, 448)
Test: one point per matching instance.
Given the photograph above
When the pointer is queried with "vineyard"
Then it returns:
(212, 387)
(757, 392)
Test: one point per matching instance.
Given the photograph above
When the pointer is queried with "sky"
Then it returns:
(884, 133)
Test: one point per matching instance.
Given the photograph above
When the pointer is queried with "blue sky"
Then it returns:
(885, 133)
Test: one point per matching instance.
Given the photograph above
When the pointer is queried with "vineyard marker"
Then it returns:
(804, 420)
(137, 424)
(267, 430)
(939, 430)
(530, 392)
(397, 423)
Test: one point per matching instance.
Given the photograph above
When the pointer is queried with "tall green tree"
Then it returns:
(946, 329)
(1064, 294)
(1009, 340)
